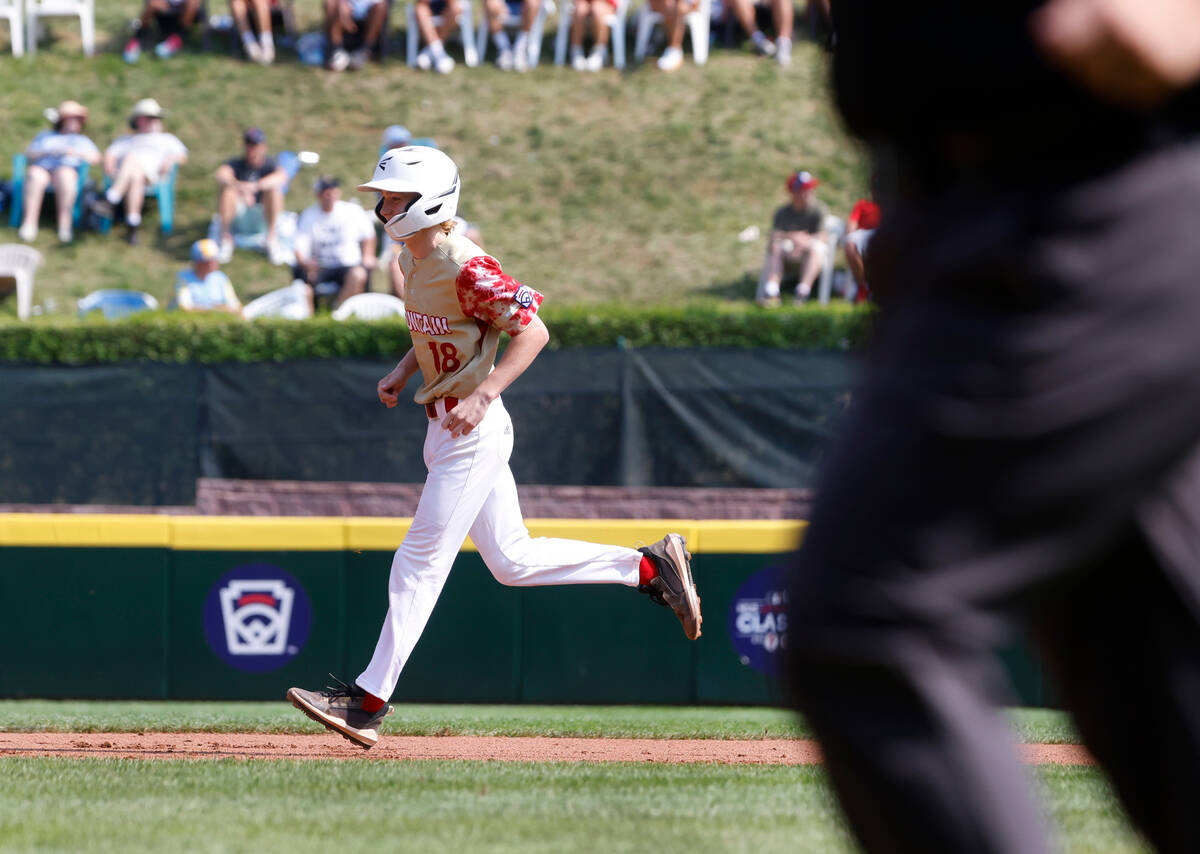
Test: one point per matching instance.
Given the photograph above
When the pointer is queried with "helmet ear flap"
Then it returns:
(379, 211)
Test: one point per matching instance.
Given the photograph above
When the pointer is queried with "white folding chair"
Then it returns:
(18, 262)
(512, 20)
(369, 307)
(466, 29)
(11, 9)
(835, 227)
(291, 302)
(616, 29)
(37, 9)
(697, 25)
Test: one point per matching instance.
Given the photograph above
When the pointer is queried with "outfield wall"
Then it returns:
(192, 607)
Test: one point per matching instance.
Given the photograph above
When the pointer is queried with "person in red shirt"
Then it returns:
(860, 227)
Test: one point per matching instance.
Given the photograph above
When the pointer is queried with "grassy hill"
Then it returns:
(595, 188)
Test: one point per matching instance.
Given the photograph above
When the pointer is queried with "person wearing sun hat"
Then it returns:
(798, 239)
(54, 158)
(138, 160)
(203, 287)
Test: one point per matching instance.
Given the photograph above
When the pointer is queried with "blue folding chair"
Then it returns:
(114, 303)
(20, 162)
(163, 191)
(290, 162)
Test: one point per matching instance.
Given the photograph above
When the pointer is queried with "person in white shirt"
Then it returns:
(138, 160)
(335, 244)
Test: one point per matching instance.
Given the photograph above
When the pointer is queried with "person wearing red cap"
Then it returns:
(798, 238)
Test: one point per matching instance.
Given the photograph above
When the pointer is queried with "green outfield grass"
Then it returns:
(1030, 725)
(361, 805)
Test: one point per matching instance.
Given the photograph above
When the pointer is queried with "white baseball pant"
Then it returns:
(470, 489)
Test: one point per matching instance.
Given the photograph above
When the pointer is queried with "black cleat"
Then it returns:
(339, 708)
(673, 587)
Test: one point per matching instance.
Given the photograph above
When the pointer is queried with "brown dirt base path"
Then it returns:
(169, 745)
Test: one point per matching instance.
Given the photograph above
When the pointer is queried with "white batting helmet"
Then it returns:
(422, 170)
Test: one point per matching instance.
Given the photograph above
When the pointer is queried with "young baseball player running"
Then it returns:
(458, 302)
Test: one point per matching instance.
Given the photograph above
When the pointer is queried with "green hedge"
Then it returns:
(162, 337)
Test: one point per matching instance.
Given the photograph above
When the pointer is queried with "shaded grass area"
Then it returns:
(592, 188)
(1031, 725)
(229, 805)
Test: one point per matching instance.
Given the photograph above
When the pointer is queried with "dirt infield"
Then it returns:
(166, 745)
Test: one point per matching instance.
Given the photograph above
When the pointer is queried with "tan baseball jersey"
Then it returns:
(457, 301)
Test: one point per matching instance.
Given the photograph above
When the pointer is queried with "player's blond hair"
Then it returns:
(447, 227)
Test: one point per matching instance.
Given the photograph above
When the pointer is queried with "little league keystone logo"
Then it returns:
(758, 620)
(257, 617)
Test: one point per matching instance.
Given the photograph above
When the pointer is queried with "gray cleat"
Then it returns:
(674, 587)
(339, 708)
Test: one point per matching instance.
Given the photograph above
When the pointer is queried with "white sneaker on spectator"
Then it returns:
(578, 60)
(521, 58)
(339, 60)
(595, 60)
(443, 65)
(65, 235)
(226, 253)
(268, 49)
(762, 45)
(671, 59)
(27, 233)
(505, 60)
(253, 51)
(359, 58)
(275, 254)
(783, 52)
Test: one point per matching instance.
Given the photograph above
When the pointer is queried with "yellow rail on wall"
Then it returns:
(357, 533)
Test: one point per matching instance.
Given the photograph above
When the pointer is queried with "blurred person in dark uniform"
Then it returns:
(1024, 453)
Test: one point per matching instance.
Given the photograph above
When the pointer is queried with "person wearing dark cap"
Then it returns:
(335, 243)
(250, 194)
(1022, 456)
(798, 239)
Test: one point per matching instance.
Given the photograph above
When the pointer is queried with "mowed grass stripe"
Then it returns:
(1030, 725)
(116, 805)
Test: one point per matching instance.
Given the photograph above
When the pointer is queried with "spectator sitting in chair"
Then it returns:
(357, 23)
(174, 18)
(596, 11)
(674, 20)
(860, 228)
(203, 287)
(511, 56)
(798, 237)
(258, 42)
(137, 161)
(335, 243)
(782, 13)
(251, 194)
(54, 158)
(433, 55)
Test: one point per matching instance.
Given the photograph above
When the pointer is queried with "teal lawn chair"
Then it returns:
(20, 161)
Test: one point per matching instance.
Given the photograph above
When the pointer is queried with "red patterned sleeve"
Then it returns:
(487, 293)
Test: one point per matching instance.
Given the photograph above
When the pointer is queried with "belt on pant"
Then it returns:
(440, 406)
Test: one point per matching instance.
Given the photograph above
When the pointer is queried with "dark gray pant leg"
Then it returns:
(1125, 652)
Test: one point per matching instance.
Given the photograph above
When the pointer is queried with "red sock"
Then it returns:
(372, 704)
(646, 570)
